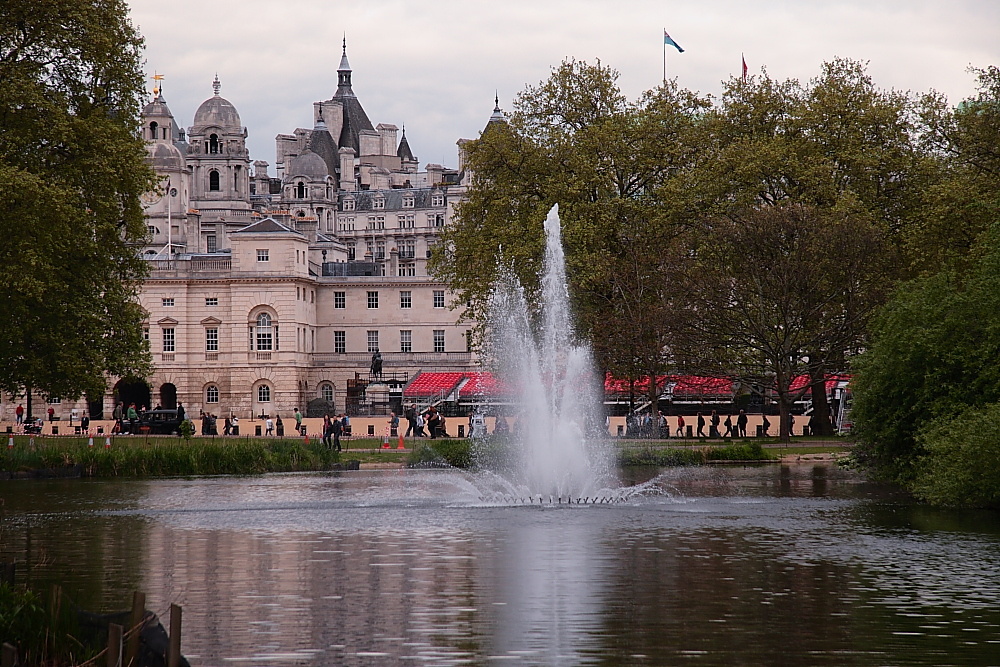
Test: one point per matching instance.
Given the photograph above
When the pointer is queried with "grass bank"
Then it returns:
(164, 456)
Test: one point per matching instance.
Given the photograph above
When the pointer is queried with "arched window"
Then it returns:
(326, 391)
(152, 130)
(300, 190)
(211, 394)
(213, 181)
(263, 393)
(213, 143)
(264, 333)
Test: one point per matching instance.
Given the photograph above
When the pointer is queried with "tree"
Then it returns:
(768, 299)
(609, 164)
(72, 167)
(932, 354)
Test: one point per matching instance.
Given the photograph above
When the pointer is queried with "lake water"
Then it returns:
(772, 565)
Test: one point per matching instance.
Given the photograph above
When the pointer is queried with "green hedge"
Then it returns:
(135, 457)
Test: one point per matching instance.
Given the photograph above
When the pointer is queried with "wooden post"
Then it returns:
(9, 658)
(138, 614)
(114, 645)
(174, 652)
(7, 573)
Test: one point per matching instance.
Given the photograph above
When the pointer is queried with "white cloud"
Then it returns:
(435, 66)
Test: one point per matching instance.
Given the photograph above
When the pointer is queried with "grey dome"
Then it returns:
(308, 164)
(164, 157)
(217, 112)
(157, 107)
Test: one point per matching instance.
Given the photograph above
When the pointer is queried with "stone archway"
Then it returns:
(132, 390)
(168, 396)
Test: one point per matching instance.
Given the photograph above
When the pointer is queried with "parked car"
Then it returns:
(159, 422)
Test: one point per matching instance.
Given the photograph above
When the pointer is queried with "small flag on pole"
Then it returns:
(744, 68)
(667, 39)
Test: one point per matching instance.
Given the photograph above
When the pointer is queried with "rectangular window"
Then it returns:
(408, 202)
(167, 302)
(352, 251)
(373, 341)
(210, 243)
(438, 220)
(340, 342)
(408, 249)
(378, 204)
(372, 299)
(406, 299)
(211, 340)
(439, 298)
(262, 255)
(168, 340)
(211, 301)
(437, 200)
(340, 299)
(145, 334)
(405, 341)
(348, 204)
(439, 340)
(407, 270)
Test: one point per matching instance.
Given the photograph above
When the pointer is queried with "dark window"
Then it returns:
(213, 144)
(213, 181)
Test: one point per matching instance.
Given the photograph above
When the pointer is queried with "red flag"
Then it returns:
(744, 68)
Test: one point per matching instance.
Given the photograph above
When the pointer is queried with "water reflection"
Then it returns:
(757, 565)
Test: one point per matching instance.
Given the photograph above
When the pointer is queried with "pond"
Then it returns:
(792, 565)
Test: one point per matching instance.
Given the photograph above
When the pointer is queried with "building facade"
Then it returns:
(267, 292)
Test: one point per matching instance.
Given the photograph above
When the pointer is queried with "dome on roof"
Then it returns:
(308, 164)
(158, 107)
(164, 157)
(218, 111)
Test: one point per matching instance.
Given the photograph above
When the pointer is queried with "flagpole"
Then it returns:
(664, 62)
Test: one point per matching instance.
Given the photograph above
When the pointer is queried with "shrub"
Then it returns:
(456, 453)
(961, 464)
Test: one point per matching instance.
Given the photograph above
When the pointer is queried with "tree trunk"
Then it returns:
(820, 423)
(27, 399)
(784, 417)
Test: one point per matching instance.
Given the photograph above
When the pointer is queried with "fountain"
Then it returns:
(558, 453)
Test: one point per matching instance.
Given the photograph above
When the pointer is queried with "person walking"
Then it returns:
(729, 427)
(298, 421)
(765, 426)
(133, 419)
(713, 430)
(19, 413)
(393, 425)
(269, 427)
(327, 431)
(701, 425)
(227, 428)
(336, 428)
(741, 424)
(680, 426)
(180, 411)
(411, 420)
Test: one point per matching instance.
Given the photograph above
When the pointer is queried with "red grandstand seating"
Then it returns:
(430, 384)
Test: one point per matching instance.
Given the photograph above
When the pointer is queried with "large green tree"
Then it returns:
(767, 301)
(611, 165)
(72, 167)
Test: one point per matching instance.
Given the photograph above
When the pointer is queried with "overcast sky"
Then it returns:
(434, 66)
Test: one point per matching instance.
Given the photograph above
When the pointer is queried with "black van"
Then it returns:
(160, 422)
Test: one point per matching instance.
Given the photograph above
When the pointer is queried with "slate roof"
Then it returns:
(393, 198)
(267, 225)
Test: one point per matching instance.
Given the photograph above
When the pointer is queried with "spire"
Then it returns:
(320, 124)
(403, 151)
(157, 86)
(344, 75)
(216, 85)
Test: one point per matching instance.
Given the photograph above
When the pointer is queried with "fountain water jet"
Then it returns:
(558, 449)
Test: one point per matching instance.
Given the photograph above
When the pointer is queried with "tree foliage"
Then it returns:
(71, 170)
(767, 300)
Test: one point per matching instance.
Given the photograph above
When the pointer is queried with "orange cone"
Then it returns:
(400, 445)
(10, 442)
(90, 441)
(107, 443)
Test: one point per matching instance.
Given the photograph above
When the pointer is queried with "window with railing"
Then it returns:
(405, 340)
(212, 339)
(264, 334)
(373, 341)
(340, 342)
(439, 340)
(169, 342)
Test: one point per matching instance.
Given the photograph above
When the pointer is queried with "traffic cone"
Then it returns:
(10, 442)
(107, 442)
(400, 445)
(90, 441)
(307, 439)
(385, 442)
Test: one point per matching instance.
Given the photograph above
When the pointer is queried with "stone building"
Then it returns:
(272, 292)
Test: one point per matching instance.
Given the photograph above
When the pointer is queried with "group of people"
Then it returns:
(127, 417)
(431, 419)
(334, 428)
(648, 426)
